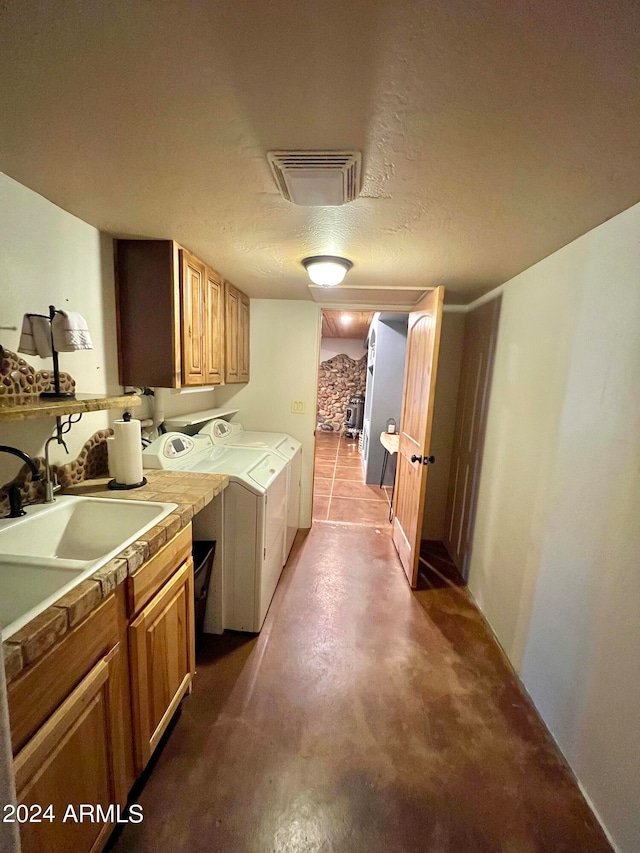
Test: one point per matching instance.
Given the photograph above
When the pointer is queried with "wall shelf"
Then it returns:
(199, 417)
(25, 407)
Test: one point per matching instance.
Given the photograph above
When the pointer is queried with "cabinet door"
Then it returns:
(243, 339)
(213, 328)
(231, 315)
(69, 762)
(236, 334)
(161, 643)
(192, 288)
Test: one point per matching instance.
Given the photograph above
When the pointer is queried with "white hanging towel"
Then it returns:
(70, 332)
(35, 338)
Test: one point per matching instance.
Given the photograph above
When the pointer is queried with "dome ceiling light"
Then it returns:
(326, 270)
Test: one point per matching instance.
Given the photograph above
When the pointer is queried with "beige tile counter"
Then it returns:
(190, 491)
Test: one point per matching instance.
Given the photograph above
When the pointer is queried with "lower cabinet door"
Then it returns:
(65, 773)
(162, 655)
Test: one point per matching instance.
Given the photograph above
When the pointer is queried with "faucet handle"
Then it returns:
(15, 501)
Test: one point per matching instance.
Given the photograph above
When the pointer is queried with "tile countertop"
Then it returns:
(190, 491)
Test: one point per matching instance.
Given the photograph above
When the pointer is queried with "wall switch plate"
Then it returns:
(297, 407)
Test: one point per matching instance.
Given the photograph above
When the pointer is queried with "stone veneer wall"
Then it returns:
(18, 377)
(91, 462)
(339, 379)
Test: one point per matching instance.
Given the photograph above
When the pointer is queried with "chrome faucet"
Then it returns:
(14, 495)
(51, 485)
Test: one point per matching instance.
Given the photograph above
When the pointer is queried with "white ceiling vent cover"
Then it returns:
(317, 178)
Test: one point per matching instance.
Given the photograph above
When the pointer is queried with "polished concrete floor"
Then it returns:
(363, 718)
(339, 491)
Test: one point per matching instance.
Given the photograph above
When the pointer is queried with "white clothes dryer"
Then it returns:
(233, 434)
(253, 523)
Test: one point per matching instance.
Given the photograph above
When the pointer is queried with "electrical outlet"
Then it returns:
(297, 407)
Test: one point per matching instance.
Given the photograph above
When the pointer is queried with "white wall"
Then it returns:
(444, 417)
(556, 547)
(285, 340)
(353, 347)
(48, 256)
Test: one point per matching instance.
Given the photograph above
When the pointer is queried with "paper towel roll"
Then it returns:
(128, 442)
(112, 456)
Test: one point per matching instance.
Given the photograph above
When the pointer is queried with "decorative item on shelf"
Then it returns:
(125, 455)
(391, 425)
(45, 336)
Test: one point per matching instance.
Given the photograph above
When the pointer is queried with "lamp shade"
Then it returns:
(326, 270)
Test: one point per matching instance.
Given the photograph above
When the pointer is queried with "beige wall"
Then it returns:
(285, 342)
(556, 546)
(444, 414)
(48, 256)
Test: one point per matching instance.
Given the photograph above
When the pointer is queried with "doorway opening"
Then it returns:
(348, 436)
(361, 369)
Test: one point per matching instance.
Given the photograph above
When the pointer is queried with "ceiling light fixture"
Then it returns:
(346, 319)
(326, 270)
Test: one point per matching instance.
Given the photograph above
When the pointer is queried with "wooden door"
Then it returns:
(214, 373)
(423, 343)
(231, 330)
(162, 649)
(480, 338)
(243, 339)
(69, 762)
(192, 286)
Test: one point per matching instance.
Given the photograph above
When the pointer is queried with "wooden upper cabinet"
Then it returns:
(236, 335)
(243, 342)
(173, 318)
(214, 323)
(148, 313)
(231, 313)
(192, 294)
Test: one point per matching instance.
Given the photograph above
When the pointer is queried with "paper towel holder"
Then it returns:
(114, 484)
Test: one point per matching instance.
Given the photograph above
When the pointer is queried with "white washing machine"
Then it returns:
(233, 434)
(253, 524)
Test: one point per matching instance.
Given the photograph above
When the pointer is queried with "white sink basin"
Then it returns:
(56, 546)
(25, 580)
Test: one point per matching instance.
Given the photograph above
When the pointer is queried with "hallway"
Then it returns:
(363, 718)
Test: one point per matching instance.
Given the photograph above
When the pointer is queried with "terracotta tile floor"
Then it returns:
(340, 493)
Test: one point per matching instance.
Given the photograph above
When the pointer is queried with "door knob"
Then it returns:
(428, 459)
(415, 458)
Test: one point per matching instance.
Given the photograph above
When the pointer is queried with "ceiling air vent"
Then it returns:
(317, 178)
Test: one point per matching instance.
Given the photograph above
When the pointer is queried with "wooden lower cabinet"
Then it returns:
(70, 761)
(162, 660)
(112, 682)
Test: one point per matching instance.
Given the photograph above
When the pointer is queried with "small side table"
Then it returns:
(390, 441)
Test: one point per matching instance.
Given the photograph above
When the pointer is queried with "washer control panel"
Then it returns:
(177, 446)
(220, 431)
(167, 451)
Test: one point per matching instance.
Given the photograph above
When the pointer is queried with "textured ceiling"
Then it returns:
(492, 132)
